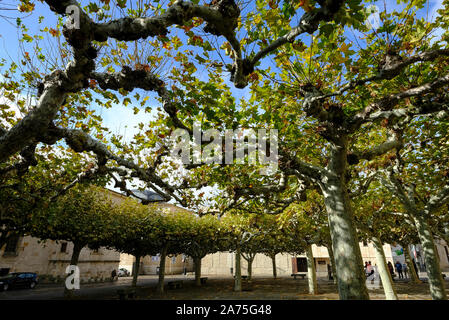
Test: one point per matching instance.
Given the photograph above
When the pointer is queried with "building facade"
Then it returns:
(50, 259)
(223, 263)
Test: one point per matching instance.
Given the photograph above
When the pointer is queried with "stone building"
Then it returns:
(50, 259)
(223, 263)
(150, 264)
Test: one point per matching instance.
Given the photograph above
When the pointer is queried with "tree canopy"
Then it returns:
(357, 94)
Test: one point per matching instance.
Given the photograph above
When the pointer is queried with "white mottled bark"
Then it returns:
(311, 271)
(436, 282)
(385, 276)
(345, 243)
(238, 271)
(411, 268)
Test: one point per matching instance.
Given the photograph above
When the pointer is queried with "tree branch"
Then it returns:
(80, 141)
(389, 102)
(437, 200)
(309, 23)
(129, 80)
(393, 142)
(390, 72)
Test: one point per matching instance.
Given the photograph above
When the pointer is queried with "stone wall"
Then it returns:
(220, 263)
(47, 260)
(150, 264)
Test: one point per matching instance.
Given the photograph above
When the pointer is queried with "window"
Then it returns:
(11, 245)
(155, 258)
(64, 247)
(365, 244)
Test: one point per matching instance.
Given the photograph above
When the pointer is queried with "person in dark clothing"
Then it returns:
(415, 267)
(113, 274)
(405, 270)
(329, 272)
(398, 266)
(390, 268)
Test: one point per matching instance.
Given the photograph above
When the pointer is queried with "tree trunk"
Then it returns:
(332, 260)
(136, 270)
(311, 271)
(73, 262)
(197, 262)
(160, 285)
(411, 268)
(238, 271)
(250, 266)
(345, 245)
(385, 275)
(436, 282)
(273, 261)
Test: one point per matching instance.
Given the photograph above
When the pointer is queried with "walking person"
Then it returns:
(398, 266)
(416, 268)
(369, 269)
(405, 270)
(390, 268)
(329, 272)
(113, 275)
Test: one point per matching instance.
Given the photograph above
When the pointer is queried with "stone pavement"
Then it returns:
(216, 288)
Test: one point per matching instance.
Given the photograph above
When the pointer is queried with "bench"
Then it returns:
(203, 280)
(126, 294)
(243, 277)
(302, 275)
(178, 284)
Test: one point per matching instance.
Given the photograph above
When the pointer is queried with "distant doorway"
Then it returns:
(301, 264)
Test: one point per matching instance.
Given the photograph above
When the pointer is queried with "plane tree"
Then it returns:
(78, 76)
(205, 237)
(403, 232)
(375, 223)
(304, 225)
(24, 190)
(239, 232)
(421, 188)
(82, 216)
(133, 226)
(334, 100)
(175, 229)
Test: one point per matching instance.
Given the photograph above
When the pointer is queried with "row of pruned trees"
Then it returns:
(87, 216)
